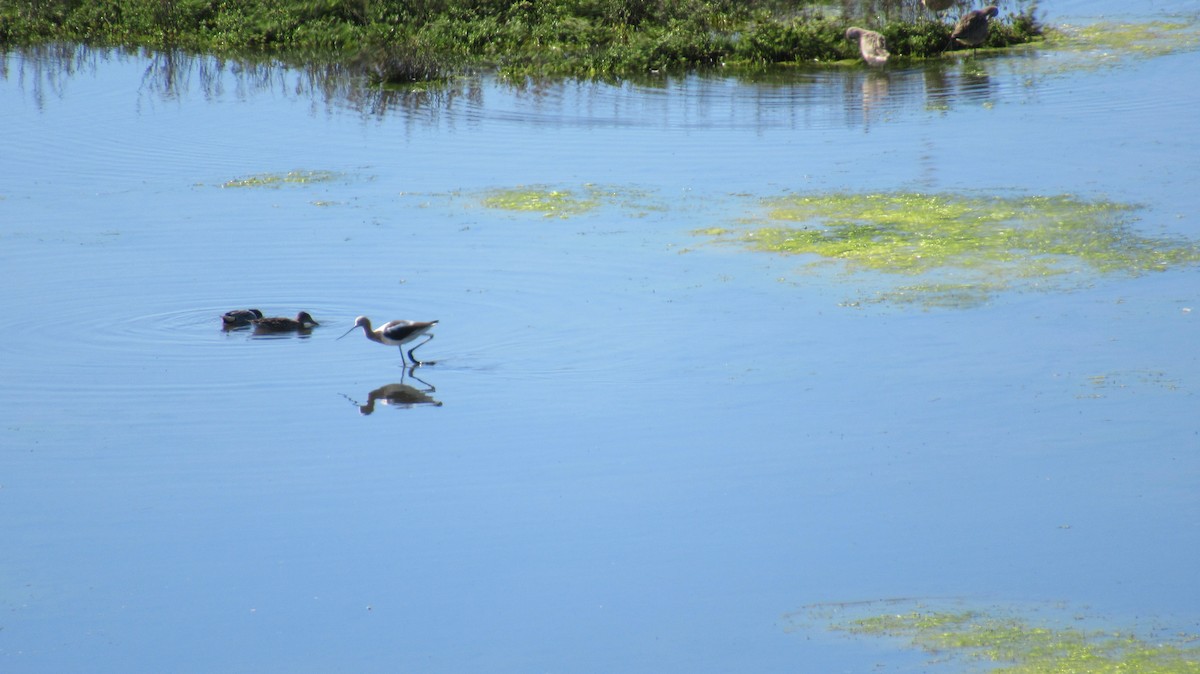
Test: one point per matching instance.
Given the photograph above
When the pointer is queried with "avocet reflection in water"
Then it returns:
(399, 395)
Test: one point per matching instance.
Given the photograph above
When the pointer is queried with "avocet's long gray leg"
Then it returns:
(414, 358)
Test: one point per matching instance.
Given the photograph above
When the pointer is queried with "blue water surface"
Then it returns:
(638, 450)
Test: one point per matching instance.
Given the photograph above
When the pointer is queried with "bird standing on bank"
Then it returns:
(396, 333)
(972, 29)
(872, 45)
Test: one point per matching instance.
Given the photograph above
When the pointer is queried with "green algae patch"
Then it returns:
(1009, 640)
(546, 201)
(562, 202)
(276, 180)
(1028, 648)
(1104, 42)
(956, 250)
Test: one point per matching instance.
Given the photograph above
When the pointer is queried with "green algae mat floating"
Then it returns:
(563, 202)
(281, 179)
(1105, 40)
(959, 250)
(1010, 642)
(546, 201)
(1069, 49)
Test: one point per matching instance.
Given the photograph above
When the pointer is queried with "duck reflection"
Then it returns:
(874, 94)
(866, 98)
(399, 395)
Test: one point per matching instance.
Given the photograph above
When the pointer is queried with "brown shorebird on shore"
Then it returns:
(872, 45)
(972, 29)
(301, 322)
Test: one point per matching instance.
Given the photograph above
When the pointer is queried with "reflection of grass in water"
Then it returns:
(1105, 43)
(965, 249)
(1030, 648)
(564, 203)
(279, 179)
(932, 295)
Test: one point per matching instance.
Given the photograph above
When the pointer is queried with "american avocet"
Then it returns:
(972, 29)
(240, 317)
(395, 333)
(302, 321)
(872, 45)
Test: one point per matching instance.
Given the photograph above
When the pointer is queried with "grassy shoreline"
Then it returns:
(394, 41)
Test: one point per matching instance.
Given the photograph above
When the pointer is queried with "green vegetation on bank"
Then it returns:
(412, 40)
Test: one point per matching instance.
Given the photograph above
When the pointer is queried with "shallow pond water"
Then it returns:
(640, 449)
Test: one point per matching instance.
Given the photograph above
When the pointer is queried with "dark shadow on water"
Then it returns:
(774, 97)
(335, 84)
(46, 71)
(398, 395)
